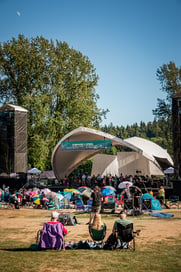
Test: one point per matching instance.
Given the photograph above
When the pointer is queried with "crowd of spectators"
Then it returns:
(91, 181)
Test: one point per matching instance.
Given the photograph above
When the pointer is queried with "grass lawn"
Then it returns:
(156, 250)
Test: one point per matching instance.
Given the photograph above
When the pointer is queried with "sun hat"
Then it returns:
(54, 214)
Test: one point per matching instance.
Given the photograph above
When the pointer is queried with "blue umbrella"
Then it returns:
(68, 195)
(107, 191)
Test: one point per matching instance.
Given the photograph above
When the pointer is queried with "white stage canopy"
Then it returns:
(65, 160)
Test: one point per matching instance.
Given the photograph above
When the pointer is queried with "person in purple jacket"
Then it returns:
(52, 236)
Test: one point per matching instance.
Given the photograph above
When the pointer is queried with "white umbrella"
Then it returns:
(46, 191)
(34, 171)
(169, 170)
(122, 185)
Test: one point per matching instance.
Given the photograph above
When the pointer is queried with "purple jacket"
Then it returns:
(52, 236)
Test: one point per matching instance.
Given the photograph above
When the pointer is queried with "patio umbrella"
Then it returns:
(34, 171)
(37, 201)
(31, 193)
(72, 190)
(107, 191)
(60, 196)
(68, 195)
(46, 191)
(45, 199)
(35, 197)
(110, 187)
(83, 188)
(132, 187)
(122, 185)
(87, 192)
(169, 170)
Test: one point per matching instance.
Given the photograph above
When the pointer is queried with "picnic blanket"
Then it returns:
(83, 245)
(91, 245)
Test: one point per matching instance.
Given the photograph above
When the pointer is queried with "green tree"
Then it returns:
(170, 79)
(56, 84)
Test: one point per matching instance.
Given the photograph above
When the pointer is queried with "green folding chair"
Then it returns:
(97, 235)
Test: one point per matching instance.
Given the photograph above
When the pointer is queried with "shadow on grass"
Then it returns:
(18, 249)
(32, 247)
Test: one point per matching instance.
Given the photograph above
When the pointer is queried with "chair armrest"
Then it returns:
(137, 232)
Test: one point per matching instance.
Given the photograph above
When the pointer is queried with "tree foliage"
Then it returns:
(156, 131)
(56, 84)
(170, 79)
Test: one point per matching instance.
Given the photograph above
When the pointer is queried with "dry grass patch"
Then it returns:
(157, 248)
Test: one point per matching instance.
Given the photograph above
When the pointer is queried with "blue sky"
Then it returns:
(125, 40)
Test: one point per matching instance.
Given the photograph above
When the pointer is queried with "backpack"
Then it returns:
(67, 219)
(111, 242)
(83, 245)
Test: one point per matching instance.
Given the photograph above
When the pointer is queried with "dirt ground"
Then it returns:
(23, 225)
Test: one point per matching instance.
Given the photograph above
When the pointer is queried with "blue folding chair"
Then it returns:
(89, 205)
(79, 205)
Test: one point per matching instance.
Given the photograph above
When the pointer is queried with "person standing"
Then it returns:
(96, 203)
(126, 192)
(136, 197)
(161, 193)
(128, 200)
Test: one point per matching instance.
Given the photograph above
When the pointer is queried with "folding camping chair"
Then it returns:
(89, 205)
(97, 235)
(128, 204)
(66, 203)
(146, 204)
(126, 235)
(50, 237)
(79, 204)
(110, 204)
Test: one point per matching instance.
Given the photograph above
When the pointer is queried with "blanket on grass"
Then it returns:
(82, 245)
(162, 215)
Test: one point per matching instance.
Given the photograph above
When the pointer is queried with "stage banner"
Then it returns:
(86, 145)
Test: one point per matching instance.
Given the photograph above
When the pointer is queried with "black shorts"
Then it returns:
(96, 209)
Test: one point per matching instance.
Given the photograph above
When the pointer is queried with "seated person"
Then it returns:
(122, 221)
(52, 235)
(97, 230)
(97, 223)
(125, 223)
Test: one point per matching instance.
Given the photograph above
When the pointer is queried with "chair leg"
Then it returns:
(134, 244)
(38, 236)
